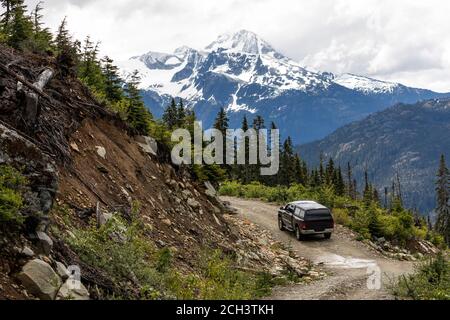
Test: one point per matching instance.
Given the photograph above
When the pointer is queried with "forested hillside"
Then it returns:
(402, 144)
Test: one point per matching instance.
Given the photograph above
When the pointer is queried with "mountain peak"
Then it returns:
(243, 41)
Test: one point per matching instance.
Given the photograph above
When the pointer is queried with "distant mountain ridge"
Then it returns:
(404, 139)
(247, 76)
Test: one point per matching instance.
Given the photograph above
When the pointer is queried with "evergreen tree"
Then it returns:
(339, 183)
(321, 171)
(330, 173)
(258, 124)
(297, 169)
(376, 196)
(375, 225)
(287, 170)
(367, 193)
(42, 37)
(5, 17)
(221, 121)
(137, 116)
(181, 114)
(170, 115)
(18, 26)
(66, 49)
(221, 124)
(443, 198)
(112, 81)
(90, 70)
(350, 190)
(245, 168)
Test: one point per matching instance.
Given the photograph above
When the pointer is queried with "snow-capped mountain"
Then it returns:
(247, 76)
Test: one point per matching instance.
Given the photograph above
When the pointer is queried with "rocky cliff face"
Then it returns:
(85, 170)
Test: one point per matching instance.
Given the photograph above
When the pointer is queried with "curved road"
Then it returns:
(352, 266)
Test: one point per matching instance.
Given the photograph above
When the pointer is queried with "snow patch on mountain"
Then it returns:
(365, 84)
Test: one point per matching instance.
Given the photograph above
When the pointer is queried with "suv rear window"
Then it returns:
(318, 214)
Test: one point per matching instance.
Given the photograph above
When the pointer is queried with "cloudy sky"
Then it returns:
(405, 41)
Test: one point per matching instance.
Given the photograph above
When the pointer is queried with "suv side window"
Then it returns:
(299, 213)
(290, 208)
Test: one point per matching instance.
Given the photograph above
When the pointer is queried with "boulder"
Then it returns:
(101, 151)
(74, 146)
(148, 145)
(39, 279)
(44, 242)
(72, 290)
(193, 203)
(210, 190)
(62, 271)
(27, 252)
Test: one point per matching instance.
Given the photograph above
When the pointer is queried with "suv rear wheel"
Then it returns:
(280, 223)
(298, 234)
(327, 235)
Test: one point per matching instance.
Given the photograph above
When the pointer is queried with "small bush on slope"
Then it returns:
(11, 183)
(430, 281)
(125, 254)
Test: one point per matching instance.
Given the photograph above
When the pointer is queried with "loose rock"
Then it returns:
(39, 279)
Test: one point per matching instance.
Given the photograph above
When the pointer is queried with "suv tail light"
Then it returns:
(303, 225)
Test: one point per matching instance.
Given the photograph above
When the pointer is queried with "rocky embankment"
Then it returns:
(83, 168)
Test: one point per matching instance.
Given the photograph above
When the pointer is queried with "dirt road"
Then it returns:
(352, 266)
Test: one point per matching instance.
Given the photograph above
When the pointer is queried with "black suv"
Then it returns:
(306, 218)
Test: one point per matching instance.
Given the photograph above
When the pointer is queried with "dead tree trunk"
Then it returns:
(32, 110)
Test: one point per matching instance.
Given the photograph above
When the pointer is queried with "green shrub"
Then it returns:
(116, 249)
(342, 217)
(431, 281)
(11, 187)
(123, 252)
(219, 279)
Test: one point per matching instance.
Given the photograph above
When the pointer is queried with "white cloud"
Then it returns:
(401, 40)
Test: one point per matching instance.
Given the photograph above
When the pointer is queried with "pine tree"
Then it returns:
(245, 168)
(258, 124)
(221, 124)
(329, 172)
(137, 116)
(18, 26)
(443, 197)
(181, 114)
(221, 121)
(5, 17)
(42, 37)
(339, 183)
(321, 171)
(287, 170)
(66, 49)
(350, 190)
(170, 115)
(113, 82)
(297, 169)
(375, 196)
(368, 193)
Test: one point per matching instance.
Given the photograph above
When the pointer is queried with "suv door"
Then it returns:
(288, 215)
